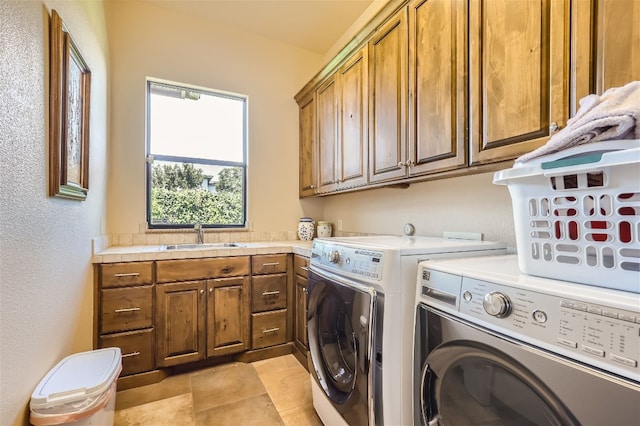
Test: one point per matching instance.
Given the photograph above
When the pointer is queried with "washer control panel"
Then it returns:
(592, 332)
(364, 264)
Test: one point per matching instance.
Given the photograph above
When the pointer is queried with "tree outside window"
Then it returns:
(196, 145)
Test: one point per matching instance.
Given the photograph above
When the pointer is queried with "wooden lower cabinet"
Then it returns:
(181, 326)
(227, 316)
(269, 329)
(137, 349)
(300, 337)
(125, 314)
(192, 326)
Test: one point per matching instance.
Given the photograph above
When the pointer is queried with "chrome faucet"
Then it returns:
(198, 228)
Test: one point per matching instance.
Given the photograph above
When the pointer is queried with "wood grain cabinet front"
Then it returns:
(271, 293)
(301, 266)
(137, 349)
(205, 317)
(127, 308)
(125, 313)
(269, 329)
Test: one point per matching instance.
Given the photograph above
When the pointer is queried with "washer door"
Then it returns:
(338, 318)
(464, 381)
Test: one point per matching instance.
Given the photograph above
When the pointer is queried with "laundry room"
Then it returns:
(362, 212)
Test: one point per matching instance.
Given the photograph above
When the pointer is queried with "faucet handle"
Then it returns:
(197, 226)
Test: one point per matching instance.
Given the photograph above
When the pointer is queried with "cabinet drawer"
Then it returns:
(197, 269)
(301, 265)
(137, 349)
(126, 308)
(126, 274)
(268, 292)
(269, 264)
(268, 329)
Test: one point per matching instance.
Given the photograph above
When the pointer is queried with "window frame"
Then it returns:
(150, 157)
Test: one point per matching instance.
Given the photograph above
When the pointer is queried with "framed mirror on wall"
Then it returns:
(69, 99)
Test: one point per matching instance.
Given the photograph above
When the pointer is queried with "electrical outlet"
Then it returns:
(339, 225)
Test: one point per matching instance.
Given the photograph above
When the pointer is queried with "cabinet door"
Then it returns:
(300, 326)
(327, 121)
(518, 75)
(388, 100)
(606, 40)
(437, 113)
(227, 315)
(307, 175)
(353, 141)
(181, 322)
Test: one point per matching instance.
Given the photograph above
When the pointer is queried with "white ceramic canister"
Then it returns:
(324, 229)
(305, 228)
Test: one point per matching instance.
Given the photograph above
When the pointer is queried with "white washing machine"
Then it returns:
(360, 321)
(494, 346)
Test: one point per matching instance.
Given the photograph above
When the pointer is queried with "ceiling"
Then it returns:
(313, 25)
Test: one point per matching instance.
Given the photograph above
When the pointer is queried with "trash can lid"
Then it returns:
(78, 377)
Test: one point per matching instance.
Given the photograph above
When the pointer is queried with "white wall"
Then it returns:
(46, 290)
(147, 40)
(464, 204)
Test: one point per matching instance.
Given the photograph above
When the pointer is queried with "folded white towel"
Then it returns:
(614, 115)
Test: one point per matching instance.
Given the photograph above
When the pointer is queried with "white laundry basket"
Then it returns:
(79, 390)
(577, 214)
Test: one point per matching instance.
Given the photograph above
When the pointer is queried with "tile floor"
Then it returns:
(275, 391)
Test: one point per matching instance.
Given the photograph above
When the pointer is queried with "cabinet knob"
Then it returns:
(401, 164)
(201, 291)
(553, 127)
(211, 290)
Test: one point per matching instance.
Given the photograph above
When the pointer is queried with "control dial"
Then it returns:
(334, 256)
(497, 304)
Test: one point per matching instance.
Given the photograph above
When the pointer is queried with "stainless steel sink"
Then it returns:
(200, 246)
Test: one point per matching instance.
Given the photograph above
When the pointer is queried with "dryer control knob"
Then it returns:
(497, 304)
(334, 256)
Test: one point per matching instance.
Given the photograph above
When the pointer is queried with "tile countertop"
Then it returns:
(116, 254)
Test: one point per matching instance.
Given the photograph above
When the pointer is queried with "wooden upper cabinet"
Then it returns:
(518, 61)
(606, 40)
(388, 100)
(327, 124)
(437, 87)
(353, 123)
(307, 117)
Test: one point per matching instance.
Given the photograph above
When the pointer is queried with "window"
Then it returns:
(196, 157)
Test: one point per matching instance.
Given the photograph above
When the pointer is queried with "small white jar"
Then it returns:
(306, 228)
(324, 229)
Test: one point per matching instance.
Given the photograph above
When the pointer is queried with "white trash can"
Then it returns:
(80, 389)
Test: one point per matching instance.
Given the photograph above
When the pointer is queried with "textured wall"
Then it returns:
(45, 243)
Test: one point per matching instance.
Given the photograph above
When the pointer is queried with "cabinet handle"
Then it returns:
(130, 354)
(304, 268)
(271, 330)
(271, 264)
(129, 274)
(270, 293)
(117, 311)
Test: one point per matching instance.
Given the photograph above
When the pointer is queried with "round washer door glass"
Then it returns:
(336, 341)
(470, 384)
